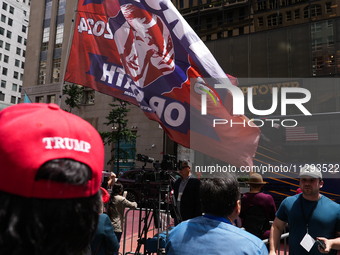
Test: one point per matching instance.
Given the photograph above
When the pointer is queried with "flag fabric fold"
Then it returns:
(144, 52)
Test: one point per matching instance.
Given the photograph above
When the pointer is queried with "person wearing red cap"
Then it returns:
(51, 171)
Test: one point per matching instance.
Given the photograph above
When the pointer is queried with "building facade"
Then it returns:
(13, 37)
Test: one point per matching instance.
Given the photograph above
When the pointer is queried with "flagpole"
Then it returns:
(68, 50)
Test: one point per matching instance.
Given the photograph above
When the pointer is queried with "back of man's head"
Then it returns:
(219, 196)
(51, 171)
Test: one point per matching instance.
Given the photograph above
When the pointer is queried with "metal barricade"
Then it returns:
(130, 243)
(283, 237)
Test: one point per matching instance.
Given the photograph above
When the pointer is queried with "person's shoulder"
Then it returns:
(289, 201)
(238, 234)
(329, 202)
(251, 239)
(267, 196)
(119, 198)
(179, 179)
(194, 180)
(104, 217)
(292, 198)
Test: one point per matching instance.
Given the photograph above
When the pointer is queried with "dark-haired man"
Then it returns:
(214, 233)
(186, 191)
(50, 175)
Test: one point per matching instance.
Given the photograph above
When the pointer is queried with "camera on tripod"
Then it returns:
(144, 158)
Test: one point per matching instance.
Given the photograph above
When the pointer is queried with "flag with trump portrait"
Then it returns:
(144, 52)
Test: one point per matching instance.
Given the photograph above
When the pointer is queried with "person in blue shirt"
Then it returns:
(104, 241)
(214, 232)
(309, 215)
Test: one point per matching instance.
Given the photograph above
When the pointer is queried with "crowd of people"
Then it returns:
(52, 202)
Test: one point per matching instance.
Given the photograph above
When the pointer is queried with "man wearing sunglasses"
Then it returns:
(186, 190)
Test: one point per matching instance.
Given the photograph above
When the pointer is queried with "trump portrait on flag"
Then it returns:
(145, 45)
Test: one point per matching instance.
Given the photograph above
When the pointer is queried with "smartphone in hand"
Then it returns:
(321, 243)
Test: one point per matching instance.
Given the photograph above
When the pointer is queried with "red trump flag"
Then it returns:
(144, 52)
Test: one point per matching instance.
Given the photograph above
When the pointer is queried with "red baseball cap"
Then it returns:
(105, 195)
(31, 135)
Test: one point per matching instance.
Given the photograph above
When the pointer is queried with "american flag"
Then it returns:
(309, 133)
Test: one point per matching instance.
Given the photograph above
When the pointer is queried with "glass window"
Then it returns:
(1, 43)
(3, 18)
(24, 28)
(21, 76)
(316, 27)
(4, 6)
(317, 44)
(10, 22)
(59, 36)
(260, 19)
(18, 51)
(261, 5)
(15, 75)
(7, 46)
(9, 34)
(6, 58)
(315, 11)
(19, 39)
(330, 24)
(2, 96)
(51, 99)
(25, 41)
(48, 10)
(17, 63)
(4, 71)
(42, 73)
(330, 41)
(3, 84)
(297, 14)
(2, 31)
(289, 15)
(22, 64)
(23, 53)
(11, 9)
(13, 99)
(56, 70)
(0, 56)
(46, 36)
(14, 87)
(39, 99)
(89, 96)
(20, 89)
(62, 4)
(272, 20)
